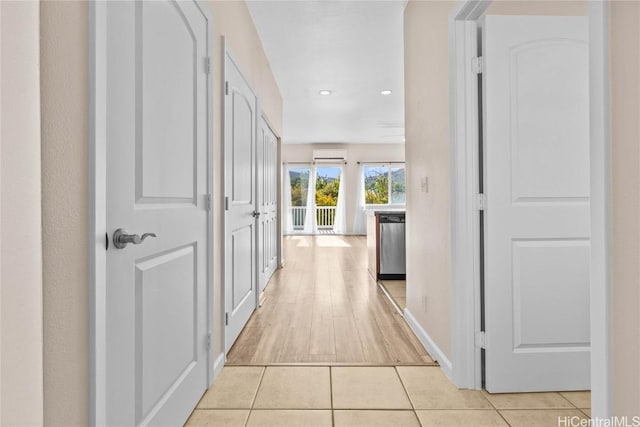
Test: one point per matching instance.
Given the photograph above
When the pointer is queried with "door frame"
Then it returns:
(97, 205)
(466, 369)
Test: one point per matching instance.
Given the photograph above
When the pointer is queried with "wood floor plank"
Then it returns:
(296, 344)
(322, 339)
(373, 344)
(270, 345)
(348, 345)
(397, 345)
(245, 347)
(322, 358)
(268, 349)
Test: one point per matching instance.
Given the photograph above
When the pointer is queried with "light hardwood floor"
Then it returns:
(397, 291)
(323, 307)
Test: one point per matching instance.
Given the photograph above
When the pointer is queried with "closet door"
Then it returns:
(241, 212)
(536, 93)
(267, 184)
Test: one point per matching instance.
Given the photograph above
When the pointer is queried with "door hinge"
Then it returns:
(226, 203)
(209, 340)
(477, 64)
(226, 88)
(226, 318)
(208, 201)
(481, 202)
(481, 339)
(207, 65)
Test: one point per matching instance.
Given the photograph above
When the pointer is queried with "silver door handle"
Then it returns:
(256, 214)
(121, 239)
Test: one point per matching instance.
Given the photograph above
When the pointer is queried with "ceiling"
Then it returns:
(352, 48)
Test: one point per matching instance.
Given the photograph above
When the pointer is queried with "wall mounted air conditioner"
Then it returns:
(329, 155)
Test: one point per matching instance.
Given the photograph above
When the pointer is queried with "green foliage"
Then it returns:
(299, 186)
(376, 189)
(398, 191)
(327, 191)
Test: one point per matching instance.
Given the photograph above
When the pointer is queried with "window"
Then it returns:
(384, 185)
(327, 185)
(299, 178)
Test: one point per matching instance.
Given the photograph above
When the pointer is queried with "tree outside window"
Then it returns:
(382, 182)
(327, 186)
(299, 178)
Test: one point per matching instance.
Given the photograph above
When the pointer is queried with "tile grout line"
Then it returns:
(494, 407)
(333, 417)
(583, 411)
(255, 396)
(570, 402)
(415, 414)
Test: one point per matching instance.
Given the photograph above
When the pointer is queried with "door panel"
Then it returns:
(536, 96)
(166, 299)
(553, 267)
(157, 161)
(240, 190)
(242, 276)
(537, 81)
(167, 175)
(242, 149)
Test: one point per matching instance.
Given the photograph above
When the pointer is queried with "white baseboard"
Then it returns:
(436, 353)
(217, 366)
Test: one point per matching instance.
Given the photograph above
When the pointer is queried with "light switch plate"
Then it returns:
(424, 185)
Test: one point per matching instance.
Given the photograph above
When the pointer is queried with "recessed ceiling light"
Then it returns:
(385, 92)
(325, 92)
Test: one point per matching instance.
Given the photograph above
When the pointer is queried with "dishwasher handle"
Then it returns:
(399, 219)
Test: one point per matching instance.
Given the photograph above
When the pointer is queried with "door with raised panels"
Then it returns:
(267, 185)
(157, 149)
(241, 214)
(536, 94)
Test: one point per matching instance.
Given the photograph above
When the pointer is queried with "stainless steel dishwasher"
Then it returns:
(392, 246)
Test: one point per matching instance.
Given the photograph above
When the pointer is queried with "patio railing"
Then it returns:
(325, 217)
(297, 217)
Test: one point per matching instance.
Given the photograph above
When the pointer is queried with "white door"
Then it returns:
(156, 146)
(536, 94)
(240, 201)
(267, 185)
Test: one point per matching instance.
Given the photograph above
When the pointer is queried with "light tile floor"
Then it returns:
(401, 396)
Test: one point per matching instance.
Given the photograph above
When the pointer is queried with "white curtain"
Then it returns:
(288, 219)
(360, 217)
(310, 225)
(339, 225)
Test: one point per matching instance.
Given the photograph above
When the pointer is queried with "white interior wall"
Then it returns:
(65, 177)
(355, 153)
(625, 207)
(426, 67)
(21, 392)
